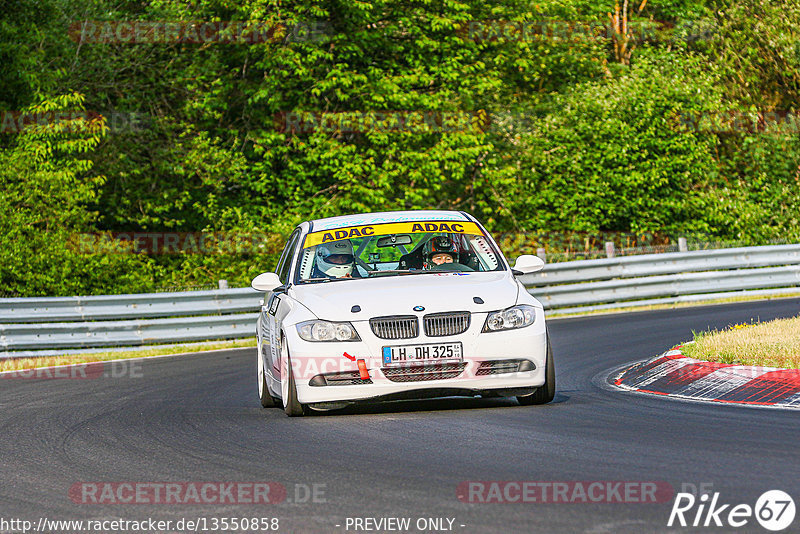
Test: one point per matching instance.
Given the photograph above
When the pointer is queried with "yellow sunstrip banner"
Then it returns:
(349, 232)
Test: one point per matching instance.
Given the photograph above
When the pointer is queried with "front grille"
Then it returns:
(498, 367)
(345, 378)
(395, 327)
(446, 324)
(419, 373)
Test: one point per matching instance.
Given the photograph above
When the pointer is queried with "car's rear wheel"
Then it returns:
(546, 391)
(291, 405)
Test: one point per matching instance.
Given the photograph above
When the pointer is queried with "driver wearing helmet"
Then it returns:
(334, 260)
(438, 251)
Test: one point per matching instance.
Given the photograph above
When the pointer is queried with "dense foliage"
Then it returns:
(663, 118)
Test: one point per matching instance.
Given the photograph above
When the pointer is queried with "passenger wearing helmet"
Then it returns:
(334, 260)
(439, 250)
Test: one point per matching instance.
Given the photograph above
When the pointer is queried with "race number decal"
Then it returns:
(273, 307)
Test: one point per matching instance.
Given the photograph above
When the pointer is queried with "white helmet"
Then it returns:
(335, 259)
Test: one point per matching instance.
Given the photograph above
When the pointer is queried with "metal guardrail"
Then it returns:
(142, 306)
(135, 332)
(589, 285)
(28, 325)
(662, 264)
(628, 289)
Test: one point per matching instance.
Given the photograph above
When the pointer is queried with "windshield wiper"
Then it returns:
(320, 279)
(400, 271)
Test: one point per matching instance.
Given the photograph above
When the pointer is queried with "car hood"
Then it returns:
(399, 295)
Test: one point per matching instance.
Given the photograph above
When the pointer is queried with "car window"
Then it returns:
(285, 262)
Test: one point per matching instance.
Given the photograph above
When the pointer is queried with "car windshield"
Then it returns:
(398, 249)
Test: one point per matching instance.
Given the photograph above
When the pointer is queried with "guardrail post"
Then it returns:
(610, 252)
(223, 284)
(682, 246)
(541, 253)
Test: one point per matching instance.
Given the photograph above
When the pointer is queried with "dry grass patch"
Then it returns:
(772, 344)
(66, 359)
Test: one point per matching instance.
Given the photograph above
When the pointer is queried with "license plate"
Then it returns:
(428, 353)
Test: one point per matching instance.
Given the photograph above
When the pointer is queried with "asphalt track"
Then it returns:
(197, 418)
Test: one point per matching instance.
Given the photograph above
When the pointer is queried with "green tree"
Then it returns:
(617, 155)
(45, 187)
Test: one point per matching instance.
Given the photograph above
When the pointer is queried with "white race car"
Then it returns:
(398, 305)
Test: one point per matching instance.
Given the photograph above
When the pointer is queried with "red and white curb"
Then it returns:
(676, 375)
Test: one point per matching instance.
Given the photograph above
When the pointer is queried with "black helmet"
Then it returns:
(438, 245)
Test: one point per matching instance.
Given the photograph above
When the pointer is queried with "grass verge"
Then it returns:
(771, 344)
(89, 357)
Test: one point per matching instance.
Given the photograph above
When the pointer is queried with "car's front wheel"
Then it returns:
(546, 391)
(291, 405)
(267, 401)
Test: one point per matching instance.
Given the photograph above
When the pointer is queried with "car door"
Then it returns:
(270, 311)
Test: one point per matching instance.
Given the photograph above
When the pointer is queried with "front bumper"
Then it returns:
(310, 359)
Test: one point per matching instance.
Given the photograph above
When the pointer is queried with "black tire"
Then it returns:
(267, 400)
(291, 405)
(547, 391)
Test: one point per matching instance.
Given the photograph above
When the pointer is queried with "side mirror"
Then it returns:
(528, 263)
(265, 282)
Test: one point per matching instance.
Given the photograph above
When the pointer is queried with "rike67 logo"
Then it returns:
(774, 510)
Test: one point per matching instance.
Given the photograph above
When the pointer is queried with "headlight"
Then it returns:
(515, 317)
(327, 331)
